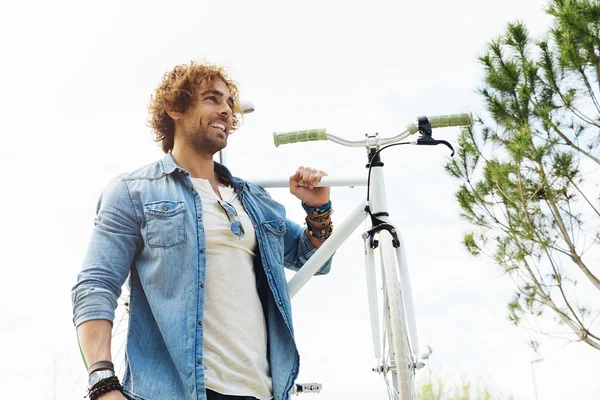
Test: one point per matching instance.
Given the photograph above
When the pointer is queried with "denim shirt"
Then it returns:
(148, 229)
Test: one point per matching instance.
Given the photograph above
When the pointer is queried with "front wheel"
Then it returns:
(399, 355)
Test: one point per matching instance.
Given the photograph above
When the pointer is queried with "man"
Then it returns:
(203, 252)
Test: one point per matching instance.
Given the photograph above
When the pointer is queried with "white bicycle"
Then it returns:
(395, 340)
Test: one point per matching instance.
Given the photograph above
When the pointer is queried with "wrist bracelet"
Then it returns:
(105, 382)
(93, 395)
(319, 234)
(101, 365)
(105, 386)
(320, 217)
(316, 210)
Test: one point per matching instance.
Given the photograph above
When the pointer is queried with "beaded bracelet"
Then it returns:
(319, 234)
(321, 217)
(94, 395)
(105, 386)
(105, 382)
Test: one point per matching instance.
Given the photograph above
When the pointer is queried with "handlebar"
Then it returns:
(299, 136)
(442, 121)
(438, 121)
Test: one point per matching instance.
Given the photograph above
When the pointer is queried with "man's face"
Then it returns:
(207, 123)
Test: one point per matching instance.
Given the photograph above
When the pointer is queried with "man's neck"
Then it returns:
(198, 165)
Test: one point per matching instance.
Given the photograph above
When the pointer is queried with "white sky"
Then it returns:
(76, 80)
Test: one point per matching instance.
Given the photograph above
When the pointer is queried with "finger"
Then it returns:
(317, 177)
(296, 177)
(301, 177)
(314, 178)
(306, 174)
(306, 177)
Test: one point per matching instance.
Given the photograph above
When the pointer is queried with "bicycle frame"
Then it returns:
(377, 204)
(374, 207)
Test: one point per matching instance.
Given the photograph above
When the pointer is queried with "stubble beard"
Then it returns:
(203, 144)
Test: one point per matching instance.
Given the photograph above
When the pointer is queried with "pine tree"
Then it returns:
(529, 167)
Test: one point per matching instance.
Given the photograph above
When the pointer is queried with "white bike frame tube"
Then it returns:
(407, 294)
(377, 201)
(373, 300)
(316, 261)
(325, 181)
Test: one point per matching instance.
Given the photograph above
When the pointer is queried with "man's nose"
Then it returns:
(225, 109)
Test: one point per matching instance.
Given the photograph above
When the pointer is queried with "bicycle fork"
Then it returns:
(380, 221)
(406, 300)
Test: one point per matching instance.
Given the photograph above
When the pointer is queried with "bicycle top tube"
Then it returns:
(326, 181)
(438, 121)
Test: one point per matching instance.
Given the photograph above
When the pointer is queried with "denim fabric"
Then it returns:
(148, 230)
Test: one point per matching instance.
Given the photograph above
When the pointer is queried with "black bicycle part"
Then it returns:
(426, 137)
(378, 226)
(375, 161)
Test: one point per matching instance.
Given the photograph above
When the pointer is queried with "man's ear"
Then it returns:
(175, 115)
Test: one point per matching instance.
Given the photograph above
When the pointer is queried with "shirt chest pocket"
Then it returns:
(165, 223)
(275, 233)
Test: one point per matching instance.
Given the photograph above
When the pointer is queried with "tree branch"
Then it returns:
(562, 229)
(557, 275)
(597, 67)
(569, 105)
(564, 137)
(589, 89)
(584, 196)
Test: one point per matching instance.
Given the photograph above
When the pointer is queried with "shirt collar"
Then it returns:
(169, 166)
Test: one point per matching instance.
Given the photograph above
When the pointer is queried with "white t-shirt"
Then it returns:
(235, 332)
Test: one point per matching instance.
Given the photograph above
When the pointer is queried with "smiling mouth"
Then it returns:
(219, 126)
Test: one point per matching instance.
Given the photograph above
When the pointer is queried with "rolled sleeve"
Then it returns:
(115, 241)
(298, 249)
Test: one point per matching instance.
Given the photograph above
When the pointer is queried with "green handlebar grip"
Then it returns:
(441, 121)
(299, 136)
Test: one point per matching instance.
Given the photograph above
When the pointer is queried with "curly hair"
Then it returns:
(177, 92)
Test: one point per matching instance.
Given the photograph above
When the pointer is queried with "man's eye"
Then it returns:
(212, 98)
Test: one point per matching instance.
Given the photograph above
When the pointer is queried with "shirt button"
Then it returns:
(202, 286)
(166, 209)
(199, 361)
(293, 373)
(199, 216)
(269, 270)
(281, 303)
(281, 229)
(201, 251)
(199, 323)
